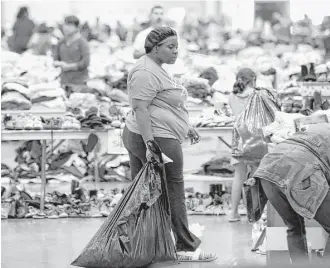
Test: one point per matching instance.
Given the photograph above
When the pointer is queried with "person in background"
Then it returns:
(243, 88)
(158, 113)
(121, 31)
(41, 42)
(88, 33)
(22, 31)
(156, 20)
(295, 177)
(72, 54)
(107, 37)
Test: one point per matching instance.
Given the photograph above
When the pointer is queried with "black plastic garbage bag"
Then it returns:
(249, 143)
(138, 231)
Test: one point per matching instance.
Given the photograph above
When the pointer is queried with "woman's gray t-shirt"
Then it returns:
(169, 116)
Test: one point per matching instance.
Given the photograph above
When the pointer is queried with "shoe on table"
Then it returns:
(10, 124)
(37, 123)
(28, 122)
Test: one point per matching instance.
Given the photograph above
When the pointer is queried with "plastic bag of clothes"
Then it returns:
(138, 231)
(249, 144)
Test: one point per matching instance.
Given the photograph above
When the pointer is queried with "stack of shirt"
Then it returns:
(15, 96)
(47, 96)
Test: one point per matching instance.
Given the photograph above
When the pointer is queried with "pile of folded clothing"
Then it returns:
(9, 64)
(15, 96)
(38, 69)
(48, 96)
(197, 87)
(121, 83)
(118, 96)
(96, 86)
(218, 166)
(82, 101)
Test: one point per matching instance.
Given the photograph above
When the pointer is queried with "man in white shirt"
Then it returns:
(157, 20)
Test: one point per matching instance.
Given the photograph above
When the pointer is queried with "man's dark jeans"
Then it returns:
(296, 233)
(185, 240)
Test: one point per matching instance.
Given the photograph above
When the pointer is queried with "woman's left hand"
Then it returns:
(193, 136)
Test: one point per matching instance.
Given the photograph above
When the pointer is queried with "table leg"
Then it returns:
(43, 176)
(96, 165)
(224, 142)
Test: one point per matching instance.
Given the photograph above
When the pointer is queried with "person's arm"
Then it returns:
(141, 110)
(143, 89)
(85, 59)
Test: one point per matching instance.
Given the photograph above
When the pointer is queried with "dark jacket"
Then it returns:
(301, 166)
(22, 32)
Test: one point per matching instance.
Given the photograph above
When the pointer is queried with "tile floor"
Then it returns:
(55, 243)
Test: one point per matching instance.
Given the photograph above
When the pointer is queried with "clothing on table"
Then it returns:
(185, 240)
(13, 100)
(169, 117)
(296, 234)
(76, 51)
(295, 165)
(22, 32)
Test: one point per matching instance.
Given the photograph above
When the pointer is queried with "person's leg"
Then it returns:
(185, 240)
(236, 191)
(136, 151)
(323, 218)
(296, 233)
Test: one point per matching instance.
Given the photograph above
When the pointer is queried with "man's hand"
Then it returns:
(64, 65)
(57, 63)
(193, 136)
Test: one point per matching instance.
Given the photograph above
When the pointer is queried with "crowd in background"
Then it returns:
(203, 34)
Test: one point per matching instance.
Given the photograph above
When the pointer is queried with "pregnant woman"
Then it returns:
(159, 114)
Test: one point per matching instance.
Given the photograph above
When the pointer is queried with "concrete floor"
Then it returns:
(56, 243)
